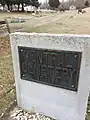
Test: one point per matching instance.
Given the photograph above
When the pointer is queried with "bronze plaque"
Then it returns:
(51, 67)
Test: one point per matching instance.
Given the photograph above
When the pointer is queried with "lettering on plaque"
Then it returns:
(51, 67)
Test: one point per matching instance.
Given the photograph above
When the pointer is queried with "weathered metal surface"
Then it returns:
(50, 67)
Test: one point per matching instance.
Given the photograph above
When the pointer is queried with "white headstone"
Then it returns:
(56, 102)
(72, 7)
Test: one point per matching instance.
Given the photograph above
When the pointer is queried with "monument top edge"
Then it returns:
(51, 34)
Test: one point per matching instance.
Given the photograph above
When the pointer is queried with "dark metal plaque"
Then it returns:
(51, 67)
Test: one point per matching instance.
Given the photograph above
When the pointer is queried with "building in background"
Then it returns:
(80, 3)
(68, 3)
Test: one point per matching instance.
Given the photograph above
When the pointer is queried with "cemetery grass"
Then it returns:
(7, 91)
(68, 22)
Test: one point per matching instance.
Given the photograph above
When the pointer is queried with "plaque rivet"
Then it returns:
(72, 85)
(75, 56)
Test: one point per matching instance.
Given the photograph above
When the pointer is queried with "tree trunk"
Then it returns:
(8, 6)
(22, 7)
(18, 6)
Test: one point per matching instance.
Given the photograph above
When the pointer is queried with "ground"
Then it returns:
(68, 22)
(7, 93)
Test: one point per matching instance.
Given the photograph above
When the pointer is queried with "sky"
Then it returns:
(42, 1)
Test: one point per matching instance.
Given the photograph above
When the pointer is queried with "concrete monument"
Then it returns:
(52, 73)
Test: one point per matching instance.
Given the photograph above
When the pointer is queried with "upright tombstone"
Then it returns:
(72, 7)
(52, 73)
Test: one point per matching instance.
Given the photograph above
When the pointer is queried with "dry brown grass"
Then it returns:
(68, 22)
(6, 75)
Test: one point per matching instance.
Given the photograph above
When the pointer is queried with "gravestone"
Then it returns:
(52, 73)
(72, 7)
